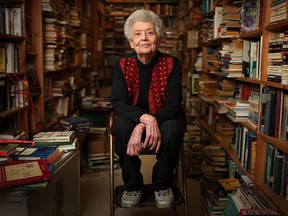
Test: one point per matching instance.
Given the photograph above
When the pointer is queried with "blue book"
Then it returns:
(36, 153)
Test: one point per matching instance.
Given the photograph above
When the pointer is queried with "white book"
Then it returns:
(17, 21)
(54, 136)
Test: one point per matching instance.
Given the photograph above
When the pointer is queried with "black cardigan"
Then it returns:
(173, 96)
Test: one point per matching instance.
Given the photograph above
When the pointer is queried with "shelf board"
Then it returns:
(252, 34)
(10, 112)
(277, 142)
(277, 26)
(249, 80)
(275, 85)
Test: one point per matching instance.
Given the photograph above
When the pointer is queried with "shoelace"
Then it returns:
(132, 193)
(164, 193)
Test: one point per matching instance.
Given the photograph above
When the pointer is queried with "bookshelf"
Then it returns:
(266, 33)
(52, 68)
(14, 102)
(59, 57)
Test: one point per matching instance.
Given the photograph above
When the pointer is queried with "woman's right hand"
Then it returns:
(153, 135)
(134, 146)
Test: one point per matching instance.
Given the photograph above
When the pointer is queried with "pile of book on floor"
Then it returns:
(193, 160)
(234, 196)
(98, 150)
(30, 164)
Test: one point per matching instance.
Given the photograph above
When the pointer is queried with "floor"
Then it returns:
(95, 195)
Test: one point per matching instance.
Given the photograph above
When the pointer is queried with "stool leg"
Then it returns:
(111, 157)
(184, 183)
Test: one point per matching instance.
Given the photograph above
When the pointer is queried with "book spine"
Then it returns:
(52, 139)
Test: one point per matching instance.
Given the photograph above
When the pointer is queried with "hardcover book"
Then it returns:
(23, 172)
(257, 211)
(54, 136)
(36, 153)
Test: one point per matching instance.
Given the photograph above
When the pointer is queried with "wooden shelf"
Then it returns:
(265, 29)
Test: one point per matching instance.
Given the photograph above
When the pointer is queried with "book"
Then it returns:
(36, 153)
(17, 173)
(257, 211)
(8, 149)
(230, 184)
(12, 133)
(2, 59)
(54, 136)
(68, 147)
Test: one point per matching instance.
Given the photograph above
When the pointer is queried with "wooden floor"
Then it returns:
(95, 200)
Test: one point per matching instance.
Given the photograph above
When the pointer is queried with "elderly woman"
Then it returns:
(147, 96)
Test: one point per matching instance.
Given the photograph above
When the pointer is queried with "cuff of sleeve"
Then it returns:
(136, 116)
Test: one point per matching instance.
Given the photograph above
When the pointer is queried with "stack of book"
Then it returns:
(6, 151)
(278, 11)
(65, 140)
(254, 101)
(207, 89)
(232, 58)
(47, 153)
(238, 110)
(224, 134)
(16, 173)
(215, 155)
(50, 52)
(225, 90)
(12, 133)
(277, 58)
(193, 159)
(230, 26)
(75, 123)
(213, 60)
(216, 195)
(246, 202)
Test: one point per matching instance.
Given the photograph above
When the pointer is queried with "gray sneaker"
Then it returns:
(131, 199)
(164, 198)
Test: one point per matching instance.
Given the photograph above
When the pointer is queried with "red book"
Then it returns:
(17, 173)
(7, 149)
(267, 211)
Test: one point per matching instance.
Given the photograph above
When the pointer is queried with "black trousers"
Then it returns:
(167, 157)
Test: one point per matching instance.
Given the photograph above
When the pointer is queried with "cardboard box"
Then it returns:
(97, 144)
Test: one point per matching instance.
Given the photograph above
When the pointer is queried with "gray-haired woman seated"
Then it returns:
(147, 97)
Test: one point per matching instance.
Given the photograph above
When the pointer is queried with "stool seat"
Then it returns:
(148, 197)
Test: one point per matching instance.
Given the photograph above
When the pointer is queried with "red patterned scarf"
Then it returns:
(158, 84)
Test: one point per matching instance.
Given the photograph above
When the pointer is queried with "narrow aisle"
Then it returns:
(95, 199)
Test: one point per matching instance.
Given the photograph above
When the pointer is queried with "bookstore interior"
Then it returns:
(56, 72)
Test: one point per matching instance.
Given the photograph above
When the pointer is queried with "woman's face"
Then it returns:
(144, 38)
